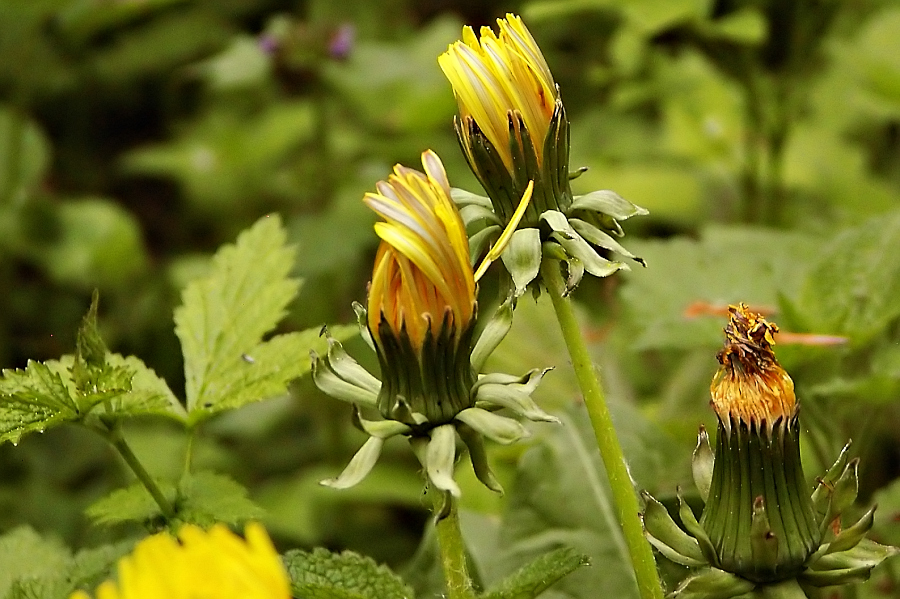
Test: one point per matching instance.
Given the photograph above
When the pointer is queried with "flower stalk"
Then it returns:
(626, 502)
(117, 440)
(453, 550)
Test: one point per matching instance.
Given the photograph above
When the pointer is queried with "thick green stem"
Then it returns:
(789, 589)
(115, 438)
(453, 551)
(627, 507)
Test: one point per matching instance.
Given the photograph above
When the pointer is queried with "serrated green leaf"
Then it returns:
(532, 579)
(265, 370)
(320, 574)
(24, 554)
(34, 399)
(202, 498)
(206, 498)
(131, 504)
(224, 316)
(149, 394)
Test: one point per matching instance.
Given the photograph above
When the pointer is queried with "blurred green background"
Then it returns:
(136, 136)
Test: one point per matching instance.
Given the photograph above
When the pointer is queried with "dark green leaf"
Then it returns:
(320, 574)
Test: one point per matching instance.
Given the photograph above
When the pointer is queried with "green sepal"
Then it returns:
(363, 322)
(494, 332)
(600, 238)
(462, 198)
(383, 429)
(852, 565)
(440, 457)
(349, 369)
(359, 467)
(712, 583)
(690, 523)
(844, 493)
(522, 258)
(851, 537)
(477, 454)
(331, 384)
(499, 429)
(822, 493)
(762, 539)
(514, 394)
(473, 213)
(662, 532)
(607, 202)
(478, 242)
(702, 462)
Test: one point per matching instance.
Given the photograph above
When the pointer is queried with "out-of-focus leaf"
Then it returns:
(132, 504)
(320, 574)
(226, 159)
(534, 578)
(25, 554)
(727, 265)
(205, 498)
(24, 156)
(853, 288)
(242, 64)
(396, 85)
(99, 245)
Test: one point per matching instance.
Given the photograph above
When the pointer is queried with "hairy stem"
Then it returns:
(453, 550)
(627, 507)
(114, 435)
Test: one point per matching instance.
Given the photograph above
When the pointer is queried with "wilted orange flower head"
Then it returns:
(750, 386)
(499, 73)
(422, 273)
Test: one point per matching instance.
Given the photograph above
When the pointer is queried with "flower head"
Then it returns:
(499, 74)
(750, 386)
(423, 280)
(760, 527)
(213, 564)
(514, 133)
(421, 323)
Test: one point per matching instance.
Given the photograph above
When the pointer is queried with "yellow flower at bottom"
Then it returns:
(214, 564)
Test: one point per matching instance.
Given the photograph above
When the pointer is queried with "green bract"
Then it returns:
(432, 397)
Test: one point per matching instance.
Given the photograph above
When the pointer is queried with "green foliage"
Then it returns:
(224, 316)
(202, 498)
(320, 574)
(24, 554)
(536, 577)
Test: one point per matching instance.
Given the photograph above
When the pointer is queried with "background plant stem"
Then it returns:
(453, 551)
(624, 496)
(115, 438)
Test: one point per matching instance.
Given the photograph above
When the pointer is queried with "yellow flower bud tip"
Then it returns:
(497, 74)
(750, 386)
(216, 564)
(422, 269)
